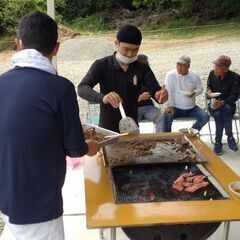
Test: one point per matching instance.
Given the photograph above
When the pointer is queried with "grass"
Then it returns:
(187, 28)
(91, 24)
(183, 28)
(168, 34)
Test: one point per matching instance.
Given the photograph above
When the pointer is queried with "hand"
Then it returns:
(93, 148)
(144, 96)
(192, 94)
(170, 110)
(209, 93)
(162, 95)
(216, 104)
(112, 98)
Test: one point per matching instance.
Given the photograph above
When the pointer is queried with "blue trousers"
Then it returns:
(223, 119)
(151, 113)
(196, 112)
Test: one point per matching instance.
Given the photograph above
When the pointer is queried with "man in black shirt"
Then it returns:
(146, 108)
(222, 108)
(39, 126)
(120, 77)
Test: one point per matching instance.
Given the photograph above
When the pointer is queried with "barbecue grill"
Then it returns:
(153, 183)
(169, 214)
(142, 184)
(172, 232)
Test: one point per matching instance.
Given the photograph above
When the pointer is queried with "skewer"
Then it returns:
(116, 135)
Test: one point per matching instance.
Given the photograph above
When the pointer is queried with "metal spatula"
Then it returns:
(127, 124)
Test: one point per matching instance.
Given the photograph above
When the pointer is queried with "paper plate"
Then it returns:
(189, 132)
(215, 94)
(187, 93)
(235, 188)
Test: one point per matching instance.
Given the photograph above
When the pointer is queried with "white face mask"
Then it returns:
(124, 59)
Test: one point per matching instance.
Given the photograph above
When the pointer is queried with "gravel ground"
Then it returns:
(162, 57)
(76, 56)
(1, 225)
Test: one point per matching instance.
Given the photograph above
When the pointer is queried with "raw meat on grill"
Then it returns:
(196, 186)
(189, 182)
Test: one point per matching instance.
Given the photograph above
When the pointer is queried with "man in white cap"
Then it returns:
(183, 86)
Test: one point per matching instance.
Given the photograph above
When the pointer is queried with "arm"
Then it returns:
(209, 82)
(153, 87)
(91, 79)
(169, 83)
(199, 87)
(94, 76)
(209, 85)
(234, 91)
(73, 136)
(149, 81)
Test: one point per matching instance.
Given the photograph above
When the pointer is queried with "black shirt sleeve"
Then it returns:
(150, 82)
(209, 82)
(91, 79)
(234, 91)
(73, 136)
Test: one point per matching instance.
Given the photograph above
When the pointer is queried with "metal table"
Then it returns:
(102, 212)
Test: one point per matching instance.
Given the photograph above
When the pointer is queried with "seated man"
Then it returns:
(146, 109)
(183, 85)
(222, 80)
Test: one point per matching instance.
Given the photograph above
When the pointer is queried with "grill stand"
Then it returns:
(226, 228)
(101, 233)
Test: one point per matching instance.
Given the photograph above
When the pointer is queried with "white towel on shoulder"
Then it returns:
(34, 59)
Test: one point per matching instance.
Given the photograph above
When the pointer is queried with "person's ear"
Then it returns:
(55, 51)
(18, 43)
(116, 43)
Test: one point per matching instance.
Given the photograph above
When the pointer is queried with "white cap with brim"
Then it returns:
(184, 60)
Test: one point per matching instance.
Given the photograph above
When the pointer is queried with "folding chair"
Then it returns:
(93, 112)
(236, 120)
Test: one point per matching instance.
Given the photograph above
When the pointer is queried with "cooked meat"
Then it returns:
(133, 186)
(147, 150)
(147, 191)
(91, 133)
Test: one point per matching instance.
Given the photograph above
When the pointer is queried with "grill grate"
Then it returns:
(142, 184)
